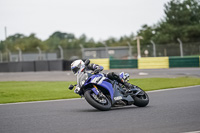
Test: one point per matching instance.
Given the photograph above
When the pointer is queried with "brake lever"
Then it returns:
(71, 86)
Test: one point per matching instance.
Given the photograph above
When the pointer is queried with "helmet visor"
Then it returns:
(75, 70)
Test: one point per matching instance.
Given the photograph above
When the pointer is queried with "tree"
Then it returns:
(182, 21)
(25, 43)
(60, 38)
(147, 32)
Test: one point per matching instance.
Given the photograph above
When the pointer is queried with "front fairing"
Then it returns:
(102, 81)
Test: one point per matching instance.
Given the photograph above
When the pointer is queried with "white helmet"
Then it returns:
(77, 65)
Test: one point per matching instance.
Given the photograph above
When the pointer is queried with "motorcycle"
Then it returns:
(103, 93)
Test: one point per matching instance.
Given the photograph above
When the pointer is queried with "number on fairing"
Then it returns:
(98, 80)
(101, 80)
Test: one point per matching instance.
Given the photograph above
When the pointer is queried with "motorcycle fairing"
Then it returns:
(100, 80)
(114, 90)
(118, 95)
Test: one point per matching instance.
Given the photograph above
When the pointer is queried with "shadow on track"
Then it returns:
(113, 109)
(127, 108)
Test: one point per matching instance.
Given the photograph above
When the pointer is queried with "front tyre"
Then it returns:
(141, 99)
(101, 103)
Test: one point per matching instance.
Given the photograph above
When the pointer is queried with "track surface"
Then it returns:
(68, 76)
(171, 111)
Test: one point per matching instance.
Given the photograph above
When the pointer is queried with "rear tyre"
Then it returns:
(142, 99)
(100, 103)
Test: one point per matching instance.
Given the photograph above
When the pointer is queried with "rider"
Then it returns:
(78, 66)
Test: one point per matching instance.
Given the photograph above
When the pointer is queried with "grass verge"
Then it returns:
(23, 91)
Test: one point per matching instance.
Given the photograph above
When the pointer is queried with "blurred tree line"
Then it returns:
(182, 20)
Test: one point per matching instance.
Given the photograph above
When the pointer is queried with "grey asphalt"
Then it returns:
(68, 76)
(172, 111)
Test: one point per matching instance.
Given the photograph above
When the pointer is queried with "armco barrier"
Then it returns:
(116, 63)
(153, 62)
(102, 62)
(183, 61)
(28, 66)
(41, 66)
(55, 65)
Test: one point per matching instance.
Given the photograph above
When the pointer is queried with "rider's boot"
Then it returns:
(114, 76)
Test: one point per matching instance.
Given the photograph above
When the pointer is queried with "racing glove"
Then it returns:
(97, 71)
(77, 90)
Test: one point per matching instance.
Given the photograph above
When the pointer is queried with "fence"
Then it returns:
(130, 52)
(173, 49)
(15, 56)
(120, 52)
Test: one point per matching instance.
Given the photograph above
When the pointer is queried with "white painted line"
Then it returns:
(60, 100)
(82, 98)
(169, 89)
(143, 74)
(192, 132)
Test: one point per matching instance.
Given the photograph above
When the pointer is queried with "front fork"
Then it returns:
(95, 90)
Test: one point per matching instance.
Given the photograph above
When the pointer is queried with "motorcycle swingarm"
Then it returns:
(134, 92)
(120, 97)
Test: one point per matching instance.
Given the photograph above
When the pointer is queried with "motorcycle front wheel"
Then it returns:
(99, 102)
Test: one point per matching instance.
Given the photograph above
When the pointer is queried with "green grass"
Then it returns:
(21, 91)
(149, 84)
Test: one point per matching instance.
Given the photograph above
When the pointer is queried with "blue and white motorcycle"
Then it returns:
(103, 93)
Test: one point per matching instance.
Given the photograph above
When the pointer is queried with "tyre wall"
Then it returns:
(102, 62)
(142, 63)
(31, 66)
(4, 67)
(153, 62)
(28, 66)
(56, 65)
(183, 62)
(130, 63)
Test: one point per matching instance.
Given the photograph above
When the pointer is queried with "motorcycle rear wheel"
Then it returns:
(103, 106)
(142, 99)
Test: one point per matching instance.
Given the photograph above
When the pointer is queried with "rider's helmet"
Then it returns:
(77, 65)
